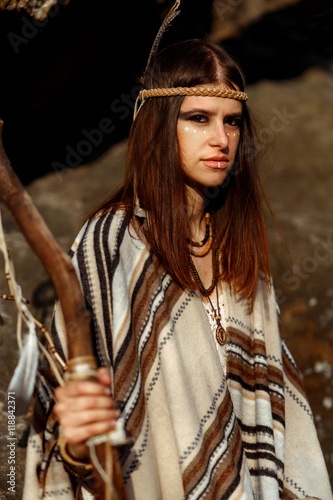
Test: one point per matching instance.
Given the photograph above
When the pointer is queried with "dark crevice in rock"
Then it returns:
(283, 44)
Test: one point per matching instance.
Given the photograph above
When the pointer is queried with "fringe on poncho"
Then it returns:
(197, 433)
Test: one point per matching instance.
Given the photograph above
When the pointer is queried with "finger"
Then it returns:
(86, 417)
(81, 403)
(81, 387)
(79, 435)
(104, 376)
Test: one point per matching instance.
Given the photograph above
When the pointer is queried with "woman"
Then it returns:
(174, 268)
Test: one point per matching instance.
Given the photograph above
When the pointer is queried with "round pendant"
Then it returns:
(220, 335)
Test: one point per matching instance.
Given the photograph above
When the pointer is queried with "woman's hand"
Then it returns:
(85, 409)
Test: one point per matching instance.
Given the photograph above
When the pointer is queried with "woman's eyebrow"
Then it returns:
(234, 115)
(194, 111)
(202, 111)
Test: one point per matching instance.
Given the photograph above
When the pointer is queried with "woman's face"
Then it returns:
(208, 131)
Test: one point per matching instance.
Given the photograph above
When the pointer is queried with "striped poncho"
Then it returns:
(199, 431)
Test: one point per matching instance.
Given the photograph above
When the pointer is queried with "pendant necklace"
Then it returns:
(220, 332)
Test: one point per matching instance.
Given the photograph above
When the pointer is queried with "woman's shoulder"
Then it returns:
(96, 225)
(109, 220)
(117, 214)
(111, 228)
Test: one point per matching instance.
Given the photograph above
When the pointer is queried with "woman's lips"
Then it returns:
(220, 164)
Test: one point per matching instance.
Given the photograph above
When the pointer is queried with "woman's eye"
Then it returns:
(234, 122)
(198, 118)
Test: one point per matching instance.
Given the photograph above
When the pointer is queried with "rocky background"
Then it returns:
(51, 117)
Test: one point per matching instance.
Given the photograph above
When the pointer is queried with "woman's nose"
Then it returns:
(219, 137)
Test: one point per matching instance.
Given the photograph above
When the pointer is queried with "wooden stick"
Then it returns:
(64, 277)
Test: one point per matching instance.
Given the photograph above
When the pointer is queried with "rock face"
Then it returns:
(230, 17)
(38, 9)
(296, 164)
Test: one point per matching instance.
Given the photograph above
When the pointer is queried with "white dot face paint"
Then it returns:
(234, 135)
(196, 131)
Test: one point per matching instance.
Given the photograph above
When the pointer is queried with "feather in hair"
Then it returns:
(173, 12)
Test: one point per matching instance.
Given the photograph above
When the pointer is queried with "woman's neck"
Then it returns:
(196, 214)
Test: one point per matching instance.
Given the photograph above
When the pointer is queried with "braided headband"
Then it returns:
(199, 91)
(191, 91)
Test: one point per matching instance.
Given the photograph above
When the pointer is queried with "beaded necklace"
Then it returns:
(207, 241)
(202, 242)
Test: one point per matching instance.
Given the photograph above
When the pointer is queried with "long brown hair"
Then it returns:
(155, 177)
